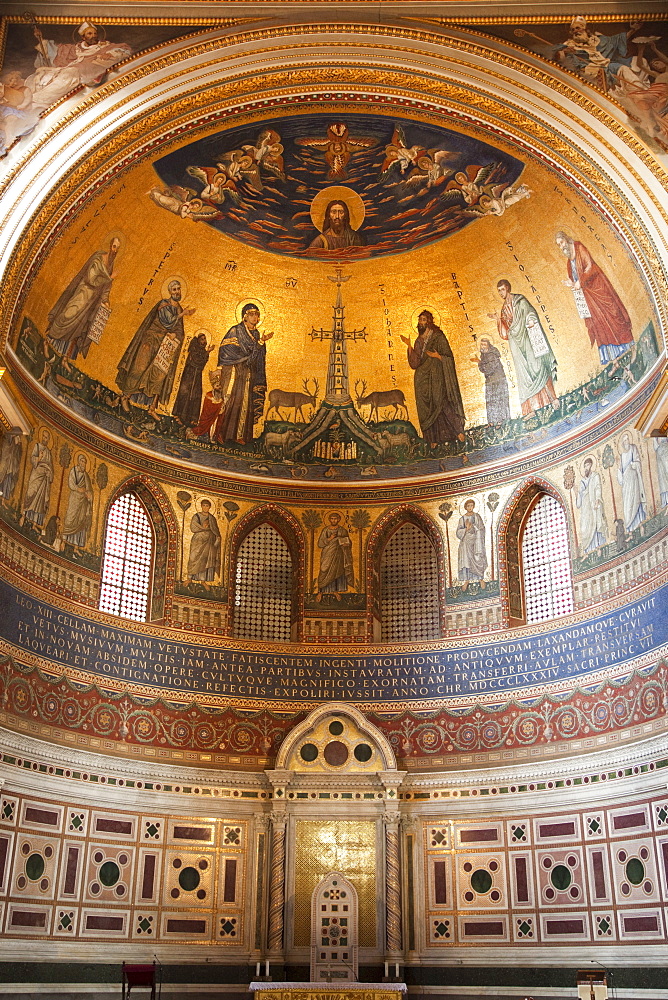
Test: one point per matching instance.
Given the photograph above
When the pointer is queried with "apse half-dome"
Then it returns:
(347, 297)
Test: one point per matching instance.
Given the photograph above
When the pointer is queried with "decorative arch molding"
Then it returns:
(380, 534)
(166, 535)
(287, 753)
(289, 528)
(509, 535)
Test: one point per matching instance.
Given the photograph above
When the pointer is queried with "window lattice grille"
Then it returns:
(546, 563)
(409, 587)
(126, 564)
(263, 593)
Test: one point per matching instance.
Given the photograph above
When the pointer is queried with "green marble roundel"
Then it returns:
(561, 877)
(635, 871)
(188, 879)
(109, 873)
(481, 880)
(35, 867)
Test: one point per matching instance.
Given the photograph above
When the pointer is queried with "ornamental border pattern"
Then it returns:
(427, 787)
(125, 723)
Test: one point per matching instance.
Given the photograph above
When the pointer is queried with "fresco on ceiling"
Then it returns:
(178, 337)
(43, 63)
(316, 185)
(627, 60)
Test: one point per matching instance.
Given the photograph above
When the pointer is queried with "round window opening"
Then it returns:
(308, 752)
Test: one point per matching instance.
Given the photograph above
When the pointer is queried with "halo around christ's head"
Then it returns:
(337, 193)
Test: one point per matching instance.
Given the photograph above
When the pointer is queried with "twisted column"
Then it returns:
(277, 884)
(392, 887)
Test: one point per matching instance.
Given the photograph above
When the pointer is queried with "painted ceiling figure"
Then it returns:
(338, 148)
(91, 55)
(79, 514)
(38, 490)
(630, 478)
(242, 358)
(399, 154)
(188, 401)
(472, 557)
(204, 558)
(589, 499)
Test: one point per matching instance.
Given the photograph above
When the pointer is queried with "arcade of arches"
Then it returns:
(333, 497)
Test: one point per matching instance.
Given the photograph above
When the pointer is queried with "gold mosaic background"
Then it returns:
(346, 846)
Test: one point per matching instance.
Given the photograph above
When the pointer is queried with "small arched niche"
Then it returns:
(334, 930)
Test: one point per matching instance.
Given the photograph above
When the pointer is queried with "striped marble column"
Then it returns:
(392, 887)
(277, 884)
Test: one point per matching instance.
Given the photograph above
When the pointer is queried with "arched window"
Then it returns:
(546, 562)
(263, 586)
(127, 560)
(409, 586)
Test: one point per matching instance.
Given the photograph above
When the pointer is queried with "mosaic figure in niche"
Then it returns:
(188, 402)
(10, 463)
(630, 478)
(336, 574)
(241, 360)
(535, 364)
(79, 315)
(596, 301)
(589, 500)
(496, 383)
(79, 514)
(437, 394)
(661, 455)
(337, 233)
(472, 558)
(147, 370)
(38, 490)
(204, 558)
